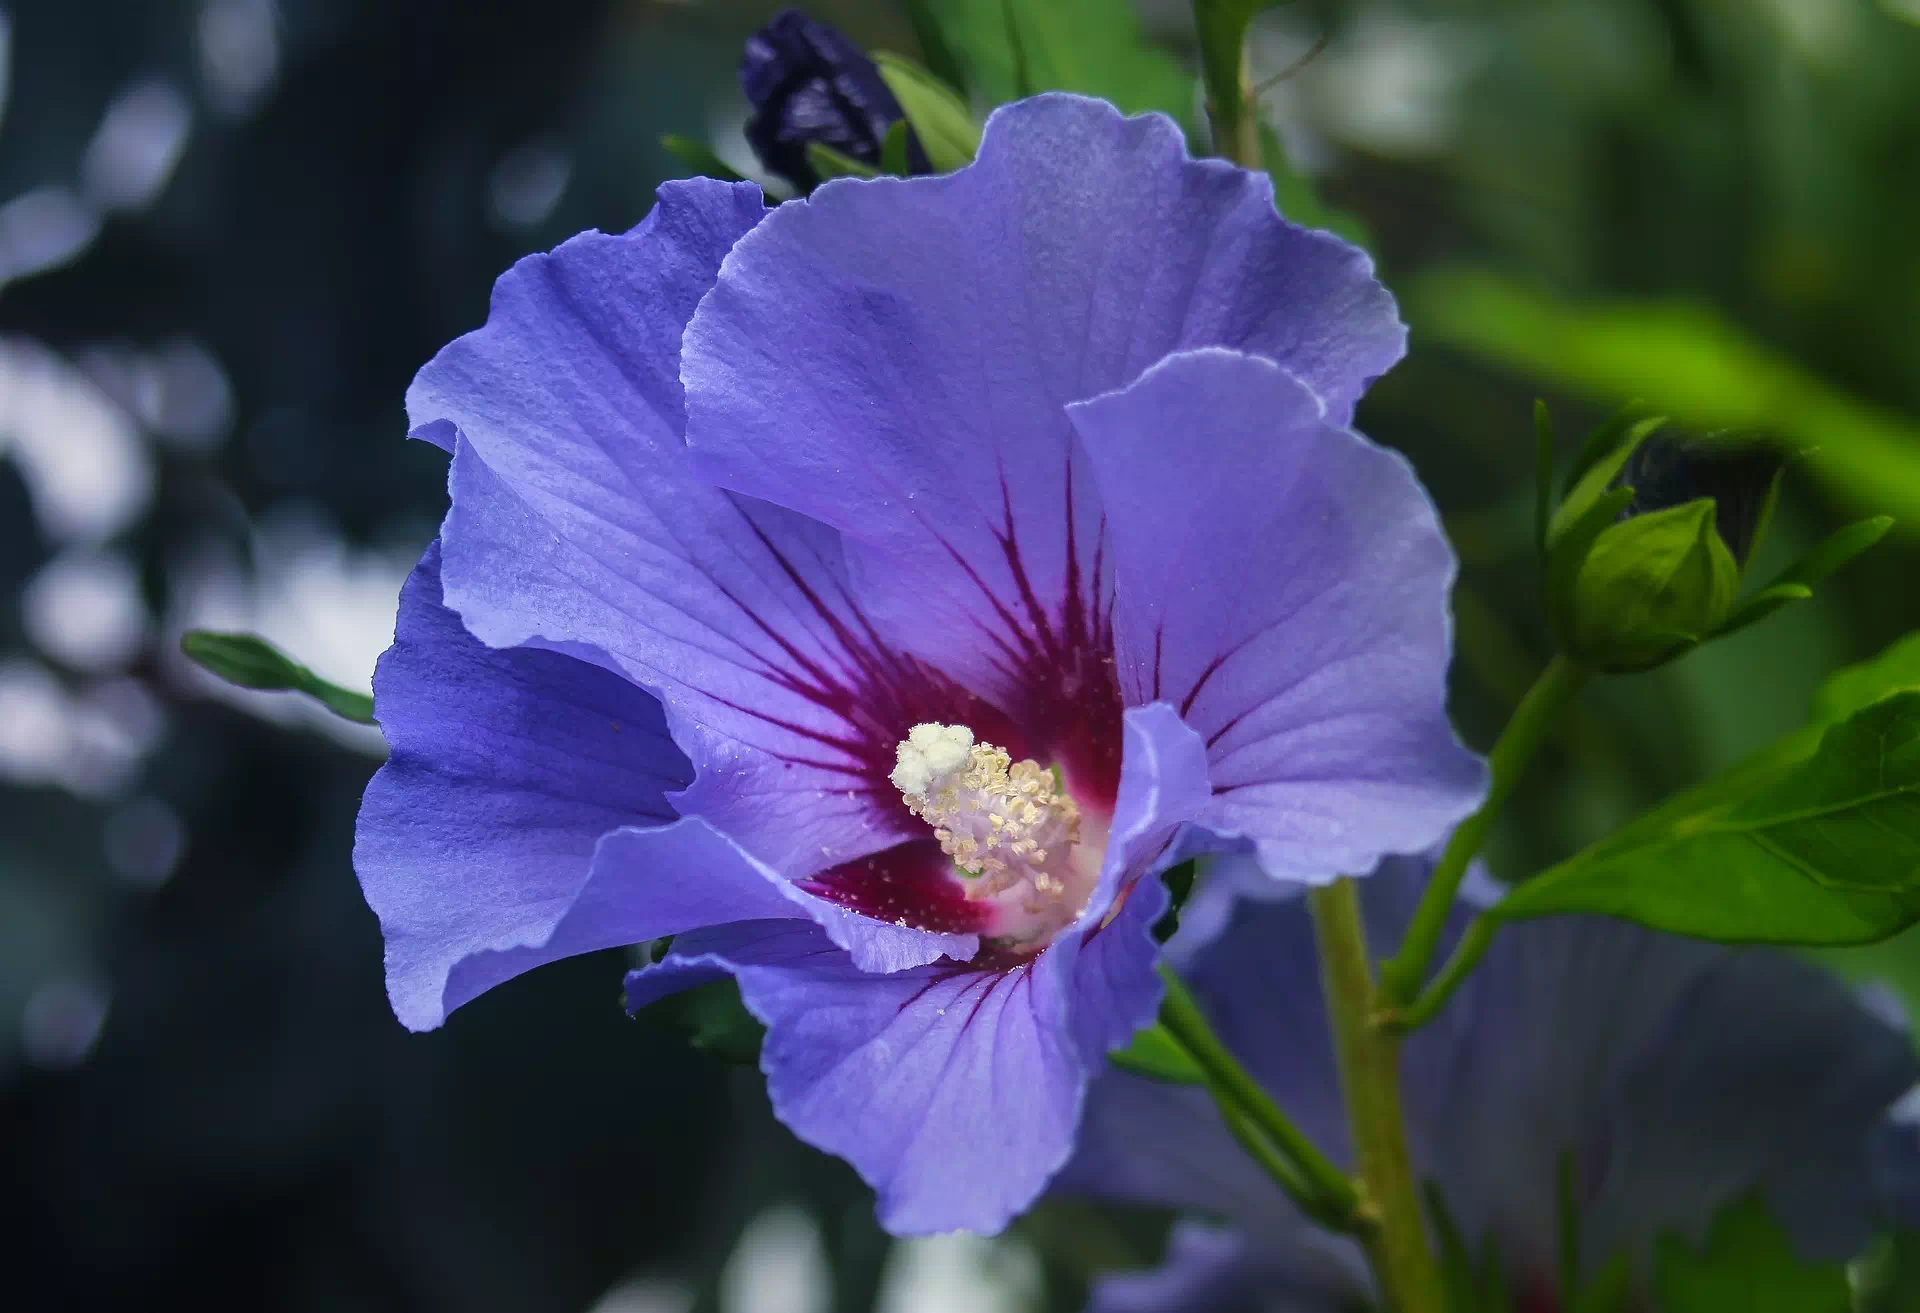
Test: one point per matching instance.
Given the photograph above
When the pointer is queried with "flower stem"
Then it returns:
(1466, 955)
(1557, 685)
(1328, 1194)
(1395, 1233)
(1226, 69)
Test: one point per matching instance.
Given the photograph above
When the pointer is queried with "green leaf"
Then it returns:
(1605, 440)
(1837, 550)
(1889, 1275)
(1542, 476)
(1687, 360)
(1157, 1055)
(1761, 605)
(713, 1019)
(1457, 1275)
(252, 662)
(940, 119)
(1023, 85)
(1567, 551)
(1857, 687)
(1610, 1291)
(1095, 47)
(830, 163)
(935, 53)
(1602, 456)
(1794, 584)
(699, 157)
(1469, 1286)
(893, 150)
(1747, 1264)
(1790, 848)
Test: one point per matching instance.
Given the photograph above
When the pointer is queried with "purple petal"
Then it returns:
(955, 1089)
(1769, 1074)
(507, 767)
(1198, 1167)
(892, 358)
(1110, 951)
(1679, 1076)
(667, 880)
(1215, 1270)
(1700, 1074)
(575, 525)
(703, 955)
(1293, 609)
(1895, 1148)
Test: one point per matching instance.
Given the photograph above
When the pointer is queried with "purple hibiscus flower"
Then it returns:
(1670, 1077)
(987, 542)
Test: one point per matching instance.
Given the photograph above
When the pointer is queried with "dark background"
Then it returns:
(230, 230)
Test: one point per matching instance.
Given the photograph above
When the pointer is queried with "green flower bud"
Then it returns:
(1646, 554)
(1651, 587)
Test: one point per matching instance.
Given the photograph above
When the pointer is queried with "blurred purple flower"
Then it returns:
(975, 496)
(1673, 1077)
(808, 83)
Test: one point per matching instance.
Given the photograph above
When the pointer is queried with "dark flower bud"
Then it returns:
(808, 83)
(1738, 474)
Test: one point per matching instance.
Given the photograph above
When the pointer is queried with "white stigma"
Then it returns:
(930, 752)
(1006, 824)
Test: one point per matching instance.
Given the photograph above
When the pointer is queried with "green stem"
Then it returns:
(1276, 1164)
(1396, 1234)
(1557, 685)
(1226, 69)
(1312, 1171)
(1460, 963)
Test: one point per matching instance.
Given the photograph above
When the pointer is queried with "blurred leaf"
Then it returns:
(713, 1020)
(1858, 687)
(935, 53)
(1820, 850)
(1610, 1291)
(1179, 882)
(1095, 47)
(1542, 476)
(1023, 84)
(939, 118)
(1157, 1055)
(830, 163)
(1889, 1280)
(1469, 1287)
(1689, 362)
(893, 150)
(252, 662)
(1747, 1265)
(1297, 199)
(699, 157)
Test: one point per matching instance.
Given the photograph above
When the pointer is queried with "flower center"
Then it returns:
(1011, 829)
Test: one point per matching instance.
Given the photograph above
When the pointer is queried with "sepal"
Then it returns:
(935, 112)
(249, 661)
(1157, 1055)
